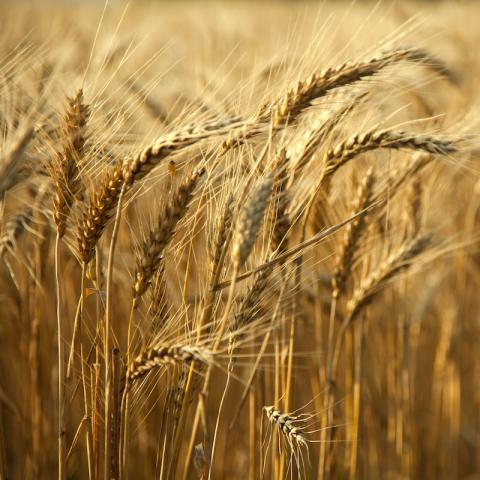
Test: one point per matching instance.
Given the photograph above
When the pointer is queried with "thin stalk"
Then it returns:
(62, 474)
(76, 338)
(263, 347)
(115, 433)
(221, 332)
(291, 345)
(111, 253)
(87, 419)
(205, 319)
(324, 445)
(220, 409)
(126, 403)
(97, 369)
(251, 436)
(204, 392)
(356, 399)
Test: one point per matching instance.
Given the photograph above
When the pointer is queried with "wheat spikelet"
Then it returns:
(250, 221)
(352, 234)
(179, 392)
(245, 311)
(14, 228)
(159, 237)
(104, 201)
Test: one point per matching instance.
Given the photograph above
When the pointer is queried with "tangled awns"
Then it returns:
(239, 240)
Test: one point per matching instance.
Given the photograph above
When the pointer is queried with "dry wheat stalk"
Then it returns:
(245, 311)
(362, 295)
(143, 162)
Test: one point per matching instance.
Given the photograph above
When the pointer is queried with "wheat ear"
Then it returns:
(286, 424)
(250, 221)
(159, 237)
(352, 233)
(65, 172)
(359, 143)
(394, 263)
(300, 97)
(98, 213)
(163, 355)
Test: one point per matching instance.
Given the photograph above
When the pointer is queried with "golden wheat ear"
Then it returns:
(66, 167)
(99, 211)
(160, 235)
(250, 221)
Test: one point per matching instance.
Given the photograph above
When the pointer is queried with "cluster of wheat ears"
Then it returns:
(263, 265)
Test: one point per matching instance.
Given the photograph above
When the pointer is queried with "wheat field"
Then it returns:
(239, 240)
